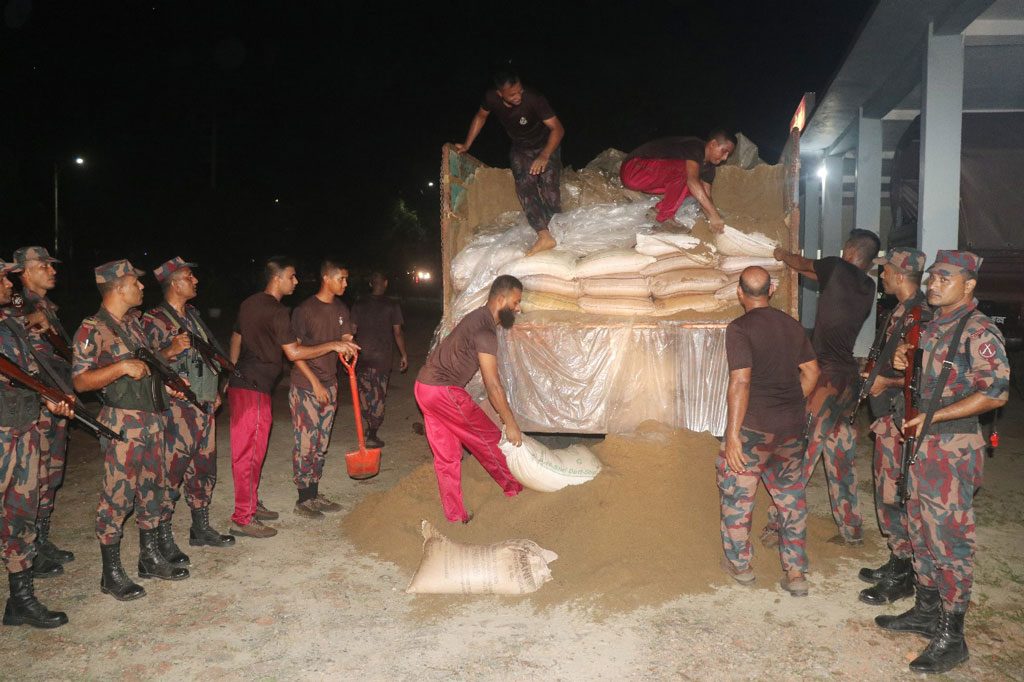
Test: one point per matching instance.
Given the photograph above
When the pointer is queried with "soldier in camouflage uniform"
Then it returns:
(38, 276)
(901, 277)
(771, 370)
(19, 472)
(134, 402)
(191, 437)
(947, 469)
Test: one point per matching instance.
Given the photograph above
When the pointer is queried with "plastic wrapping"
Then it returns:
(601, 226)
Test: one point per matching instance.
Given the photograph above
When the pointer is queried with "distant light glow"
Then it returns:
(421, 276)
(822, 171)
(277, 201)
(430, 184)
(79, 160)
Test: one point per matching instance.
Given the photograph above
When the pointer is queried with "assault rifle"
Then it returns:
(865, 388)
(911, 389)
(214, 357)
(51, 334)
(168, 376)
(19, 376)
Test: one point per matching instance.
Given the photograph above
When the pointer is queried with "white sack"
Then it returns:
(732, 242)
(612, 262)
(554, 262)
(680, 261)
(509, 567)
(546, 284)
(704, 303)
(687, 282)
(615, 287)
(664, 243)
(739, 263)
(616, 306)
(539, 468)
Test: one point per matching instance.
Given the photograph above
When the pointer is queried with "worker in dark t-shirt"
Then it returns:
(772, 369)
(846, 296)
(262, 338)
(679, 167)
(535, 157)
(451, 418)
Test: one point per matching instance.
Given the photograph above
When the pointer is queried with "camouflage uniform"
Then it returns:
(313, 423)
(19, 461)
(191, 435)
(133, 474)
(777, 459)
(373, 389)
(948, 467)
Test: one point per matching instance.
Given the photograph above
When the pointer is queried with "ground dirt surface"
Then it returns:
(637, 593)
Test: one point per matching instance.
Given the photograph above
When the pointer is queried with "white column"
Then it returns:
(868, 203)
(832, 207)
(942, 96)
(810, 241)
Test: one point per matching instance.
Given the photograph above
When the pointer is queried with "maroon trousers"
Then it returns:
(658, 176)
(451, 420)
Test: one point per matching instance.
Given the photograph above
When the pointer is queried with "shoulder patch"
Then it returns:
(987, 350)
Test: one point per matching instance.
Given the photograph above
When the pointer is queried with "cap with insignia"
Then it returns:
(955, 262)
(903, 259)
(171, 267)
(115, 270)
(27, 253)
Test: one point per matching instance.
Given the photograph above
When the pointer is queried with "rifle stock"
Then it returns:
(168, 376)
(55, 339)
(16, 374)
(911, 389)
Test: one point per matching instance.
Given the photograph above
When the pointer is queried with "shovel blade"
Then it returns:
(363, 463)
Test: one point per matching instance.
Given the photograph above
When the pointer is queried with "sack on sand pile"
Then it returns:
(680, 261)
(546, 284)
(732, 242)
(534, 301)
(612, 262)
(739, 263)
(616, 306)
(615, 287)
(554, 262)
(539, 468)
(687, 282)
(701, 303)
(664, 243)
(509, 567)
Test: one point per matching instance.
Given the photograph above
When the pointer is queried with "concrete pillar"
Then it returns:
(868, 202)
(810, 241)
(942, 96)
(832, 207)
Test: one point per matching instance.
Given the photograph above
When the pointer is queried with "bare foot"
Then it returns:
(544, 242)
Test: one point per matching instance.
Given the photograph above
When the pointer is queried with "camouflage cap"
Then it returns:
(171, 267)
(116, 269)
(955, 262)
(904, 259)
(27, 253)
(8, 268)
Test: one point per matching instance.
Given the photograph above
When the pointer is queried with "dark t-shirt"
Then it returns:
(846, 296)
(315, 322)
(454, 361)
(264, 326)
(678, 148)
(524, 122)
(375, 318)
(773, 345)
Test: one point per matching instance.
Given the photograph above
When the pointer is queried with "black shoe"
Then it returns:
(115, 581)
(897, 583)
(873, 575)
(152, 563)
(372, 441)
(948, 648)
(200, 534)
(165, 543)
(24, 609)
(923, 619)
(44, 567)
(47, 548)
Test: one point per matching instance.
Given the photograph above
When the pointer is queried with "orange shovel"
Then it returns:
(362, 463)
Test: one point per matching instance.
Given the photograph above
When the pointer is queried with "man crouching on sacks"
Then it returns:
(450, 416)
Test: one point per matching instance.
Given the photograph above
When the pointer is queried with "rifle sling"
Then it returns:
(44, 364)
(947, 367)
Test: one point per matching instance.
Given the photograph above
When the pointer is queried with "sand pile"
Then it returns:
(645, 531)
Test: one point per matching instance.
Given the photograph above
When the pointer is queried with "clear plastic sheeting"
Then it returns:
(609, 376)
(601, 226)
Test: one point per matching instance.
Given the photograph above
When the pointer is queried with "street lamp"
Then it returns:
(56, 204)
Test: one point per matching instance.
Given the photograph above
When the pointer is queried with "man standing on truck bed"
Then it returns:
(846, 296)
(679, 167)
(535, 157)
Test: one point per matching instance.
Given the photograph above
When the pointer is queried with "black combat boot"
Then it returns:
(922, 619)
(47, 548)
(897, 583)
(873, 575)
(24, 609)
(165, 543)
(115, 581)
(200, 534)
(152, 563)
(948, 648)
(43, 567)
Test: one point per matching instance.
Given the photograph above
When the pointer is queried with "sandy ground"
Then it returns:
(306, 605)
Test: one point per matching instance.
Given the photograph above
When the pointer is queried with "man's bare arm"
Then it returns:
(400, 342)
(976, 403)
(496, 396)
(295, 351)
(475, 126)
(803, 266)
(557, 132)
(809, 373)
(696, 187)
(235, 349)
(737, 398)
(95, 379)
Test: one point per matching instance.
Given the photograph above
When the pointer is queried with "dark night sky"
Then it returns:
(338, 109)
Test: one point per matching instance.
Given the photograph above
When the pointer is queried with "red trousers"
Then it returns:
(451, 420)
(250, 431)
(658, 176)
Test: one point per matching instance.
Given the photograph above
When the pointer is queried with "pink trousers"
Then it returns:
(658, 176)
(451, 420)
(250, 432)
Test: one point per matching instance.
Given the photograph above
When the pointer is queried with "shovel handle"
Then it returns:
(351, 366)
